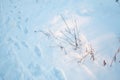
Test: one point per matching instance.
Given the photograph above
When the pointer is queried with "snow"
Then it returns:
(26, 55)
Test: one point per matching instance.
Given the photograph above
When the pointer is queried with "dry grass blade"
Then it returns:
(92, 52)
(45, 33)
(114, 57)
(68, 29)
(104, 63)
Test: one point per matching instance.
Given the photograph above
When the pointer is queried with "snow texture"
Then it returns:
(20, 49)
(26, 55)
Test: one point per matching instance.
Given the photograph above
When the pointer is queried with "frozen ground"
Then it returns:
(26, 55)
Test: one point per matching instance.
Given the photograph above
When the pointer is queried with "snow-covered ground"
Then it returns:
(27, 55)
